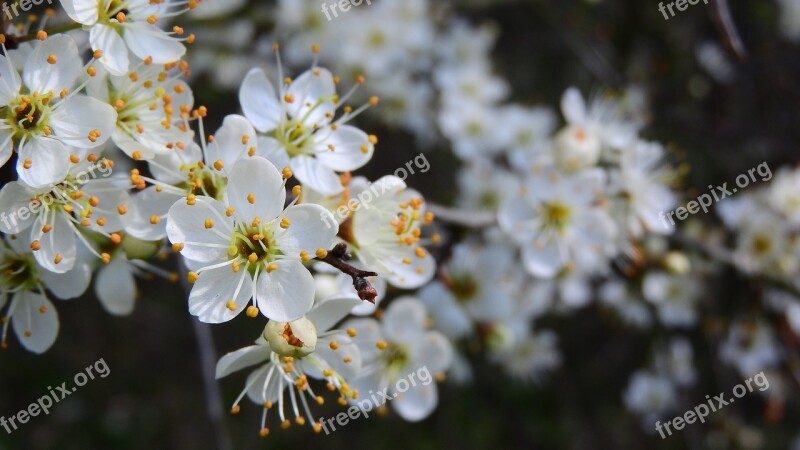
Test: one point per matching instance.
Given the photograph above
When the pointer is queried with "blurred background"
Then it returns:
(720, 108)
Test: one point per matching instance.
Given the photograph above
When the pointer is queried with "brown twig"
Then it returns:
(468, 219)
(338, 257)
(723, 19)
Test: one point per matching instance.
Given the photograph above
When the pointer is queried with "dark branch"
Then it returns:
(338, 257)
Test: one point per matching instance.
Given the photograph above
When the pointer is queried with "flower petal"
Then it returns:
(147, 40)
(116, 287)
(77, 116)
(58, 244)
(417, 403)
(115, 52)
(14, 197)
(244, 357)
(36, 330)
(404, 320)
(287, 293)
(311, 227)
(258, 180)
(232, 141)
(214, 289)
(351, 149)
(187, 225)
(313, 93)
(68, 285)
(42, 76)
(259, 101)
(49, 162)
(317, 176)
(328, 312)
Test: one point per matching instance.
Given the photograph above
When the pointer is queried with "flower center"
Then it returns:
(464, 288)
(18, 272)
(556, 215)
(395, 357)
(30, 113)
(294, 139)
(202, 181)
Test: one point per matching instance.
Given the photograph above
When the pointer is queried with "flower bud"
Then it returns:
(295, 339)
(576, 148)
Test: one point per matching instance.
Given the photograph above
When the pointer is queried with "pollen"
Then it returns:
(322, 253)
(178, 246)
(36, 246)
(122, 210)
(106, 258)
(209, 224)
(334, 345)
(229, 212)
(231, 305)
(191, 277)
(252, 258)
(251, 198)
(420, 252)
(381, 345)
(352, 332)
(297, 190)
(52, 59)
(218, 164)
(59, 257)
(154, 220)
(252, 312)
(74, 159)
(287, 173)
(272, 267)
(285, 223)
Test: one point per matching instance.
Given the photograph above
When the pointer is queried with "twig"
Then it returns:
(468, 219)
(338, 257)
(723, 19)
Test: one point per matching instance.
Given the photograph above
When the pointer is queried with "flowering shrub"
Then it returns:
(292, 213)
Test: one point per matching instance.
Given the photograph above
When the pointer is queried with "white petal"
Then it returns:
(311, 227)
(186, 225)
(147, 40)
(433, 351)
(404, 320)
(60, 240)
(349, 144)
(14, 197)
(116, 287)
(273, 151)
(147, 204)
(214, 289)
(115, 52)
(49, 160)
(259, 101)
(573, 106)
(41, 76)
(448, 316)
(308, 89)
(232, 141)
(410, 276)
(263, 386)
(84, 12)
(417, 403)
(369, 333)
(36, 330)
(68, 285)
(79, 115)
(327, 313)
(542, 261)
(244, 357)
(287, 293)
(318, 177)
(6, 145)
(9, 81)
(258, 177)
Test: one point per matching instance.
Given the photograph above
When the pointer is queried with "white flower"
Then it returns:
(152, 110)
(641, 183)
(676, 361)
(751, 347)
(43, 119)
(618, 295)
(478, 285)
(22, 288)
(189, 170)
(300, 130)
(603, 124)
(396, 348)
(249, 246)
(675, 297)
(117, 26)
(557, 221)
(650, 395)
(784, 194)
(60, 216)
(528, 358)
(385, 232)
(335, 359)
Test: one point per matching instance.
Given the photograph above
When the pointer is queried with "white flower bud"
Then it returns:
(677, 263)
(295, 339)
(576, 148)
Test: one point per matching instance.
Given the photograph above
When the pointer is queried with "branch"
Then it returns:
(468, 219)
(338, 257)
(723, 19)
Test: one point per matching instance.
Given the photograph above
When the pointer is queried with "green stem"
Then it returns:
(50, 32)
